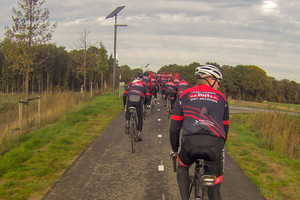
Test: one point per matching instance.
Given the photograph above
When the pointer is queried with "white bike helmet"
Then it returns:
(203, 71)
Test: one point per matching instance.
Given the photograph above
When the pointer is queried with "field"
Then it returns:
(268, 105)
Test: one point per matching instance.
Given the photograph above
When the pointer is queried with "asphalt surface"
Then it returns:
(109, 170)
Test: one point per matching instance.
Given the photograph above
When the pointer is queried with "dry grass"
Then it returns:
(53, 107)
(277, 131)
(266, 146)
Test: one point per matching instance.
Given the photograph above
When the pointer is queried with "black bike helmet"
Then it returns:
(139, 76)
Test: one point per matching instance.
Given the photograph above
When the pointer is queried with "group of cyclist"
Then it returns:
(139, 92)
(201, 112)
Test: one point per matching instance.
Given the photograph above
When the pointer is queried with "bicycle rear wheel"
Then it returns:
(132, 134)
(195, 188)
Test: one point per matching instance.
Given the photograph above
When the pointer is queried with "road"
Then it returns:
(108, 170)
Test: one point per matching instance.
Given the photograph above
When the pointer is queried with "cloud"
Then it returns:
(160, 32)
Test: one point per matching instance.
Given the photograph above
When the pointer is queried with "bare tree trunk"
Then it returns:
(27, 83)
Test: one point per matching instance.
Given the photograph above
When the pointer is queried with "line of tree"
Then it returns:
(245, 82)
(29, 63)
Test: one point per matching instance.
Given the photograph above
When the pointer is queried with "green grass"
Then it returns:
(268, 105)
(275, 174)
(35, 161)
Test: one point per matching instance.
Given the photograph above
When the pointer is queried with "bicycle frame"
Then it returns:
(200, 181)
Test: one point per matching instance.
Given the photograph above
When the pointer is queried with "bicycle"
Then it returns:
(199, 182)
(133, 129)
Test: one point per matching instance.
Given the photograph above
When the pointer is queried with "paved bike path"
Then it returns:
(108, 169)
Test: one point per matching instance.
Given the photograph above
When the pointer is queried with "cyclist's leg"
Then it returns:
(139, 110)
(150, 99)
(127, 114)
(215, 165)
(127, 117)
(166, 97)
(183, 178)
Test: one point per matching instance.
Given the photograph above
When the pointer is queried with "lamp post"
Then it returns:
(146, 66)
(114, 14)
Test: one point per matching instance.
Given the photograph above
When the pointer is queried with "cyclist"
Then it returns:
(146, 80)
(171, 91)
(182, 85)
(176, 79)
(164, 80)
(137, 93)
(202, 111)
(154, 87)
(158, 81)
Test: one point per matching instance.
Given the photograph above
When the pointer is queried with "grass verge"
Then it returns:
(276, 175)
(267, 105)
(38, 159)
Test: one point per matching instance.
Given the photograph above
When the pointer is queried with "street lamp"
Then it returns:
(114, 14)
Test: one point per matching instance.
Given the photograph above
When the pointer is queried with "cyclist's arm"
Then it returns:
(147, 94)
(125, 94)
(176, 124)
(226, 120)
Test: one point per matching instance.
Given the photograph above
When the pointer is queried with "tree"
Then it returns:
(83, 42)
(252, 82)
(103, 65)
(127, 74)
(31, 28)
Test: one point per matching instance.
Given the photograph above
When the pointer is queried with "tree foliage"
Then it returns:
(31, 28)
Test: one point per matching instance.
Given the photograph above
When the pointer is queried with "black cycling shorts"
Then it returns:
(207, 147)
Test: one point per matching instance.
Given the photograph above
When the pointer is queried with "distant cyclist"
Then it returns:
(146, 80)
(182, 85)
(153, 87)
(202, 111)
(171, 91)
(164, 80)
(135, 95)
(176, 79)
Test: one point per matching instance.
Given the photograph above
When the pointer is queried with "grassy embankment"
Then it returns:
(266, 146)
(36, 160)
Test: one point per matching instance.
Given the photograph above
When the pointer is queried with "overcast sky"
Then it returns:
(265, 33)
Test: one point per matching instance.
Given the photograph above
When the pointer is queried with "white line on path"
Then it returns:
(161, 167)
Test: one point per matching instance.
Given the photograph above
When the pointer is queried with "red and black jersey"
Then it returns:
(153, 82)
(136, 87)
(164, 80)
(171, 87)
(183, 85)
(200, 110)
(176, 81)
(146, 80)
